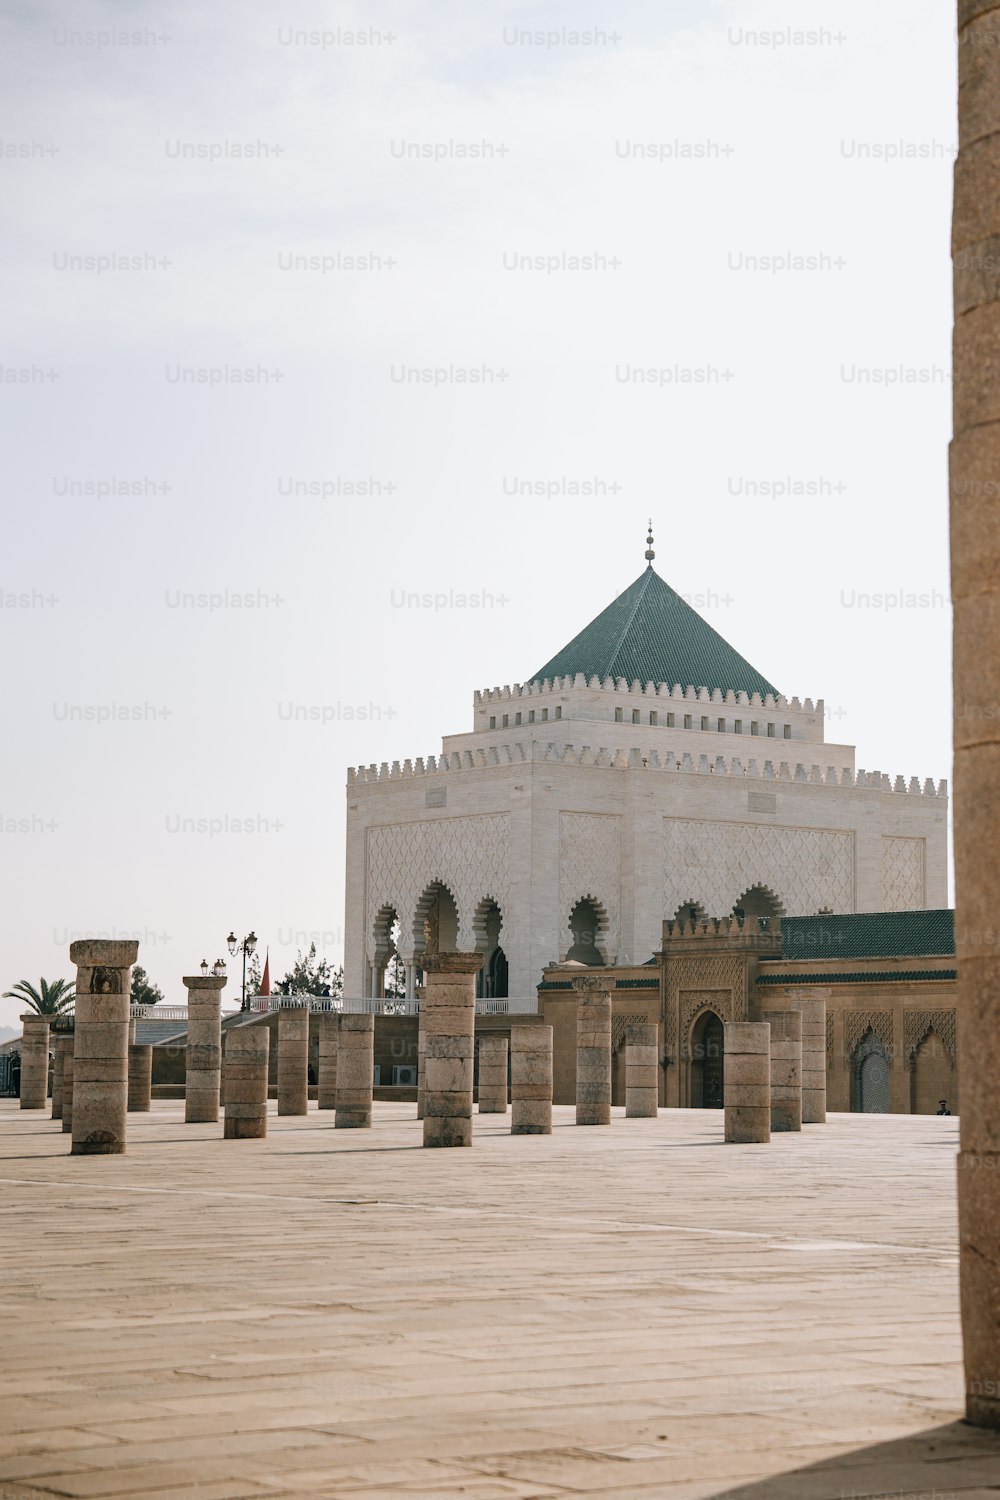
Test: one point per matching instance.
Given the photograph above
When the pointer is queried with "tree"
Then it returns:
(48, 1000)
(144, 992)
(253, 976)
(395, 978)
(310, 975)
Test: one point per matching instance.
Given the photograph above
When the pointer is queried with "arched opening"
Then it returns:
(707, 1055)
(691, 911)
(870, 1076)
(587, 923)
(385, 931)
(435, 923)
(491, 981)
(758, 902)
(931, 1076)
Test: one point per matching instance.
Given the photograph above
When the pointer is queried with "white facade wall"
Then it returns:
(681, 816)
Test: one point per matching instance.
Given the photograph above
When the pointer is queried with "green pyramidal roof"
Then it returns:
(649, 634)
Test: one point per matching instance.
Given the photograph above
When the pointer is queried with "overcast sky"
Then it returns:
(379, 225)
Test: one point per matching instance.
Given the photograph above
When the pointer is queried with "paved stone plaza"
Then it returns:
(633, 1311)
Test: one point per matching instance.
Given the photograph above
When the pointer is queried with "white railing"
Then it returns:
(378, 1005)
(513, 1005)
(159, 1012)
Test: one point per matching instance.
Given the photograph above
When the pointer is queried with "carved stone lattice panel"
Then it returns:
(903, 883)
(715, 863)
(590, 867)
(619, 1025)
(829, 1040)
(857, 1023)
(917, 1023)
(471, 856)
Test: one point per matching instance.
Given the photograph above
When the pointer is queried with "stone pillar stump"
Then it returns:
(203, 1052)
(531, 1080)
(34, 1061)
(593, 1049)
(786, 1070)
(67, 1090)
(100, 1044)
(293, 1060)
(812, 1004)
(247, 1050)
(326, 1088)
(746, 1081)
(642, 1058)
(63, 1046)
(449, 1015)
(140, 1078)
(492, 1074)
(355, 1072)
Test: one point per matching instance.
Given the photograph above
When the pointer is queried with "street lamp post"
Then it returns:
(248, 945)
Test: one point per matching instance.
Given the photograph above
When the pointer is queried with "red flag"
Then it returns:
(265, 983)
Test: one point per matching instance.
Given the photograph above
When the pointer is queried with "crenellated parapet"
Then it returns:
(556, 686)
(732, 767)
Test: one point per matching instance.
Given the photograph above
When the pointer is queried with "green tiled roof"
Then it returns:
(888, 976)
(873, 934)
(649, 634)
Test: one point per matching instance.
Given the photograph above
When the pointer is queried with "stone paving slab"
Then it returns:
(634, 1311)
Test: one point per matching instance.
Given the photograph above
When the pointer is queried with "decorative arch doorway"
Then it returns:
(931, 1076)
(758, 901)
(870, 1077)
(587, 922)
(707, 1059)
(491, 981)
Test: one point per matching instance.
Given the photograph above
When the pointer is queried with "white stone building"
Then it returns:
(647, 769)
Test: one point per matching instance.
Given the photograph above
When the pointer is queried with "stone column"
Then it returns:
(421, 1062)
(449, 1007)
(100, 1044)
(355, 1072)
(492, 1074)
(786, 1069)
(746, 1081)
(326, 1090)
(593, 1049)
(975, 590)
(247, 1049)
(63, 1044)
(34, 1061)
(67, 1090)
(293, 1060)
(641, 1070)
(812, 1004)
(140, 1078)
(203, 1053)
(531, 1080)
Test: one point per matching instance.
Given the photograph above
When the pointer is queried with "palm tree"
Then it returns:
(49, 1000)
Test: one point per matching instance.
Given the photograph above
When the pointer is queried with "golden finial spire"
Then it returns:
(650, 554)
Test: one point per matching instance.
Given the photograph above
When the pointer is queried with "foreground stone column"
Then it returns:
(746, 1081)
(531, 1080)
(421, 1062)
(492, 1074)
(247, 1050)
(34, 1061)
(975, 589)
(449, 1007)
(293, 1060)
(67, 1090)
(203, 1053)
(786, 1069)
(593, 1050)
(355, 1072)
(100, 1044)
(326, 1088)
(642, 1070)
(140, 1078)
(63, 1046)
(812, 1005)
